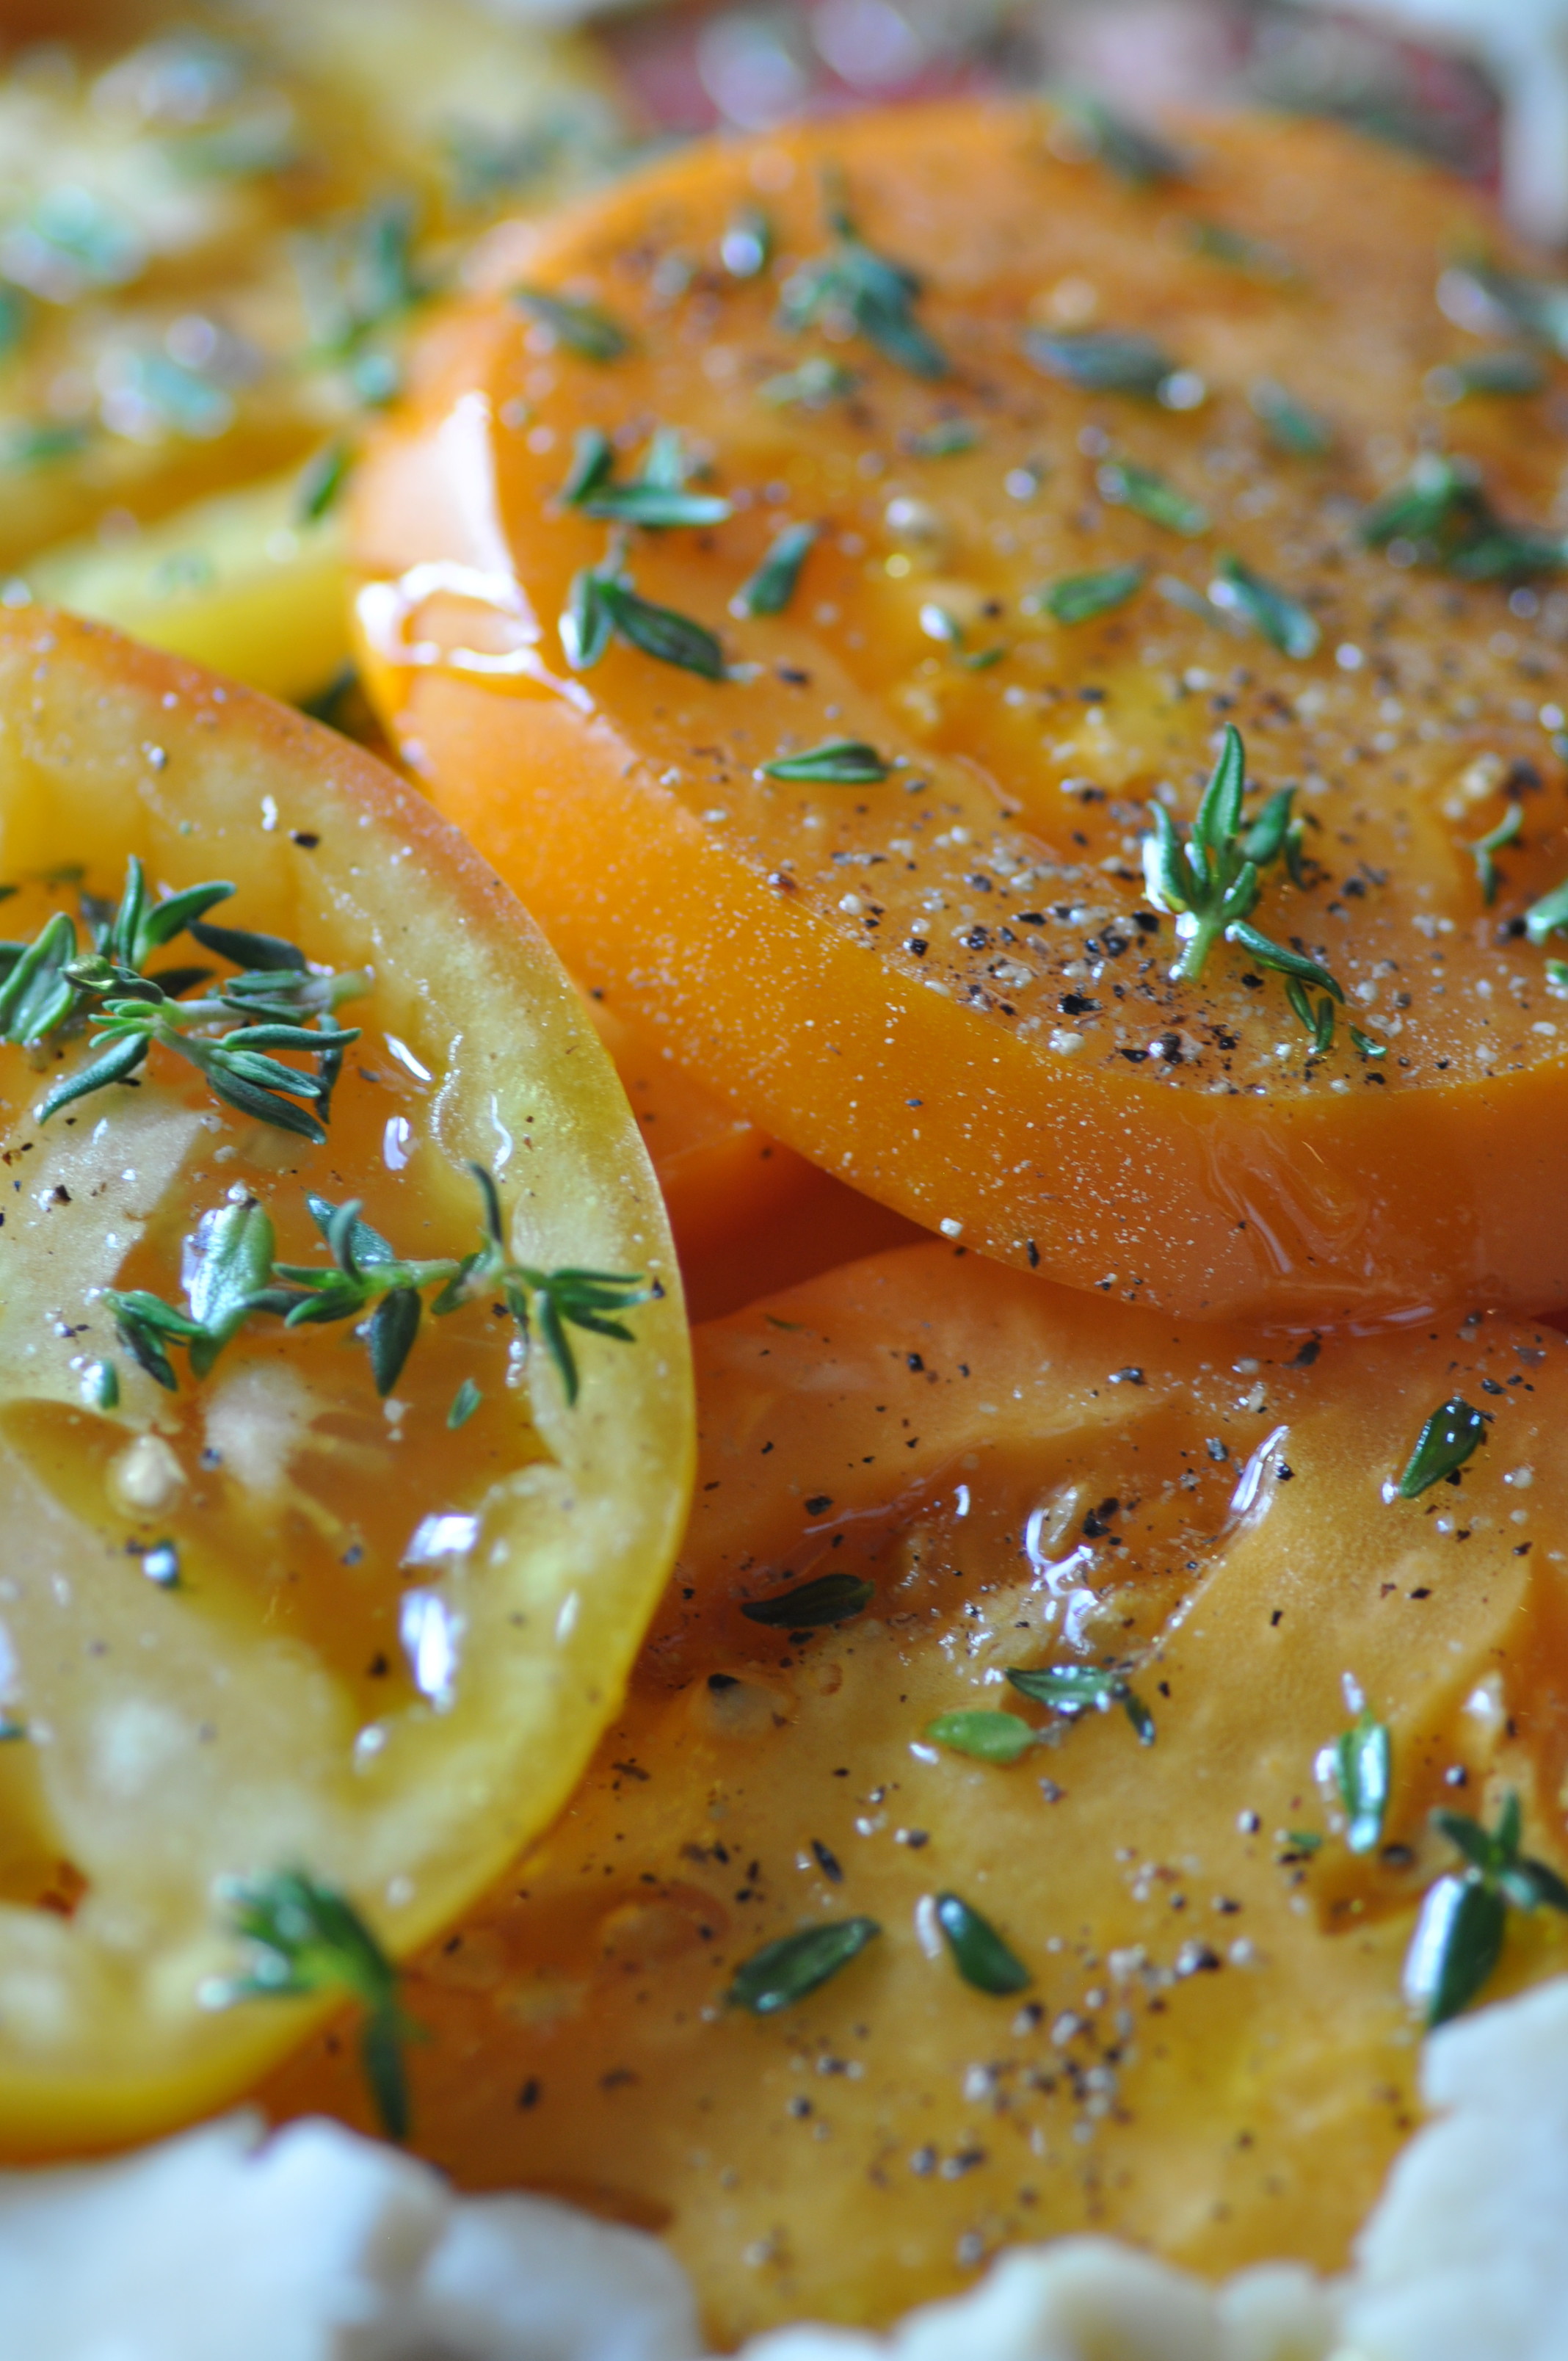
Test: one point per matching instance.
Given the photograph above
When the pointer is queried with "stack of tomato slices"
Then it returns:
(1047, 774)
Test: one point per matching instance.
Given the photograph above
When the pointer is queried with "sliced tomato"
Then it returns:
(928, 1472)
(940, 973)
(299, 1611)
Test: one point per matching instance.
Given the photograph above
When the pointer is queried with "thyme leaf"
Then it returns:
(1292, 428)
(585, 329)
(1257, 256)
(1363, 1763)
(655, 498)
(812, 386)
(846, 762)
(1542, 920)
(322, 480)
(1483, 847)
(1125, 484)
(979, 1952)
(309, 1937)
(1073, 1690)
(771, 588)
(854, 288)
(1079, 597)
(1101, 360)
(1502, 372)
(783, 1972)
(989, 1737)
(465, 1402)
(1282, 621)
(1444, 1444)
(1131, 150)
(830, 1598)
(946, 439)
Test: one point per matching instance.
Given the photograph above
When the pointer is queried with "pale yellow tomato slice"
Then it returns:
(270, 1620)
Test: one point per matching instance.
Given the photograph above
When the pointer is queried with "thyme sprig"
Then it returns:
(863, 293)
(231, 1278)
(1459, 1935)
(1212, 880)
(655, 498)
(52, 987)
(308, 1937)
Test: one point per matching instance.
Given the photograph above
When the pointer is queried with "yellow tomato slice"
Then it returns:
(270, 1621)
(1059, 546)
(1211, 2054)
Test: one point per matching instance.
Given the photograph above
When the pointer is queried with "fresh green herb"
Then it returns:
(1292, 428)
(1283, 622)
(863, 293)
(1100, 360)
(1217, 242)
(1214, 879)
(1363, 1042)
(1484, 373)
(813, 385)
(11, 1730)
(39, 443)
(1363, 1762)
(843, 761)
(602, 605)
(1444, 1444)
(1079, 597)
(770, 590)
(1549, 916)
(1557, 977)
(322, 480)
(1302, 1840)
(1459, 1935)
(783, 1972)
(1442, 512)
(360, 279)
(14, 316)
(367, 1275)
(1482, 851)
(1073, 1690)
(101, 1386)
(1319, 1022)
(465, 1402)
(939, 622)
(581, 328)
(1124, 484)
(228, 1275)
(832, 1598)
(51, 986)
(655, 498)
(989, 1737)
(980, 1955)
(231, 1277)
(1131, 150)
(746, 247)
(945, 440)
(309, 1937)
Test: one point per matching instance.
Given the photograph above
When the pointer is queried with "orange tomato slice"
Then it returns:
(1212, 2054)
(945, 980)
